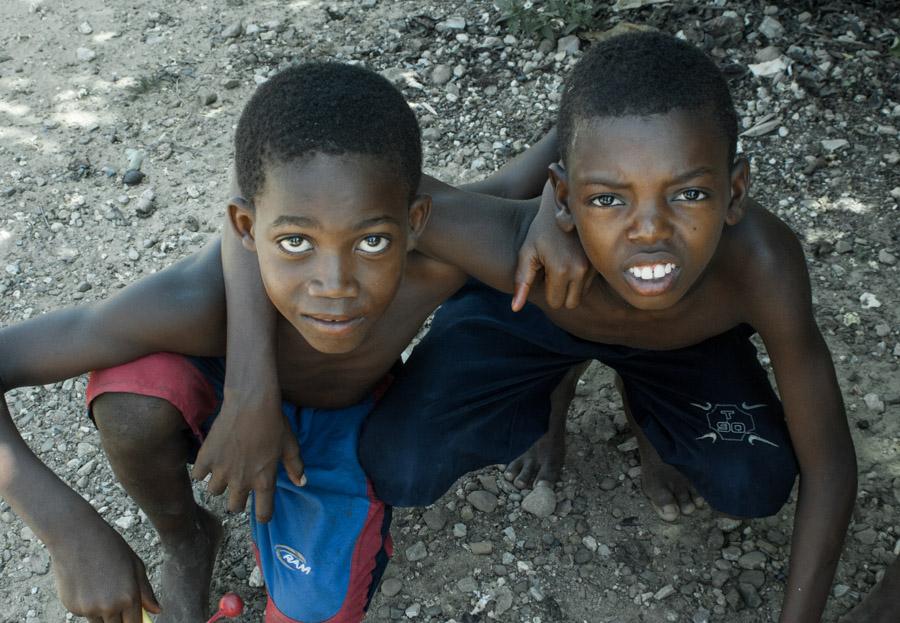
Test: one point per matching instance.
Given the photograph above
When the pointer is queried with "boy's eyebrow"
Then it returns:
(689, 175)
(677, 179)
(311, 223)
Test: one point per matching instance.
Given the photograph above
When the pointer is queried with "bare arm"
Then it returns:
(818, 426)
(178, 309)
(524, 176)
(250, 437)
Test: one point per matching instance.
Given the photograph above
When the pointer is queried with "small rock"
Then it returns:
(255, 580)
(132, 177)
(843, 246)
(391, 587)
(731, 553)
(208, 98)
(481, 548)
(752, 560)
(233, 31)
(435, 519)
(768, 69)
(126, 522)
(568, 45)
(85, 28)
(750, 595)
(484, 501)
(628, 445)
(874, 403)
(728, 524)
(467, 584)
(145, 204)
(895, 193)
(754, 577)
(869, 300)
(451, 23)
(413, 610)
(441, 74)
(416, 552)
(701, 616)
(191, 223)
(771, 28)
(503, 600)
(886, 258)
(84, 286)
(666, 591)
(231, 83)
(840, 590)
(541, 502)
(867, 536)
(85, 55)
(460, 530)
(607, 484)
(833, 144)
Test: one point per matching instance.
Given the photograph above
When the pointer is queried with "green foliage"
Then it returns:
(546, 19)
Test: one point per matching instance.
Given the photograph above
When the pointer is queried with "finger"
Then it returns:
(526, 272)
(554, 291)
(265, 504)
(521, 295)
(592, 274)
(217, 484)
(148, 597)
(133, 614)
(237, 499)
(200, 470)
(293, 464)
(573, 295)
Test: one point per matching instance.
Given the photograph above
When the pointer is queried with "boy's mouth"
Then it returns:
(336, 325)
(652, 278)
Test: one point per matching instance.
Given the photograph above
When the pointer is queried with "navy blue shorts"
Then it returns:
(476, 392)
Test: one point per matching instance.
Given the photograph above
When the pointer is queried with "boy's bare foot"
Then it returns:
(670, 493)
(187, 572)
(542, 462)
(882, 603)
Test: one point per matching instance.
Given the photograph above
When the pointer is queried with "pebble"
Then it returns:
(750, 595)
(460, 530)
(771, 28)
(481, 548)
(767, 69)
(208, 98)
(752, 560)
(132, 177)
(467, 584)
(833, 144)
(435, 519)
(886, 257)
(391, 587)
(840, 590)
(541, 502)
(452, 23)
(485, 501)
(728, 524)
(413, 610)
(628, 445)
(607, 484)
(256, 580)
(895, 193)
(868, 536)
(146, 204)
(755, 577)
(869, 300)
(701, 616)
(85, 28)
(568, 45)
(874, 403)
(666, 591)
(503, 600)
(126, 522)
(843, 246)
(416, 552)
(85, 55)
(441, 74)
(233, 31)
(731, 553)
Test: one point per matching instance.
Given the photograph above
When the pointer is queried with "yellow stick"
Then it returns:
(146, 616)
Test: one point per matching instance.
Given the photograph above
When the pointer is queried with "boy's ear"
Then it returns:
(419, 211)
(740, 186)
(242, 218)
(559, 179)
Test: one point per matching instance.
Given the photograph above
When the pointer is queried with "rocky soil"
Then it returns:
(90, 90)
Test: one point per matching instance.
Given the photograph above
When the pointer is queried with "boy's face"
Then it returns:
(649, 197)
(331, 234)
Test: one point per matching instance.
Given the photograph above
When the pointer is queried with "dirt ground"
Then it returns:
(84, 85)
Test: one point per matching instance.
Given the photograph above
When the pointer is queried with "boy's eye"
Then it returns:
(374, 244)
(295, 244)
(691, 194)
(606, 201)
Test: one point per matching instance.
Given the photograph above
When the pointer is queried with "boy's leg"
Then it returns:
(543, 462)
(882, 603)
(669, 491)
(148, 443)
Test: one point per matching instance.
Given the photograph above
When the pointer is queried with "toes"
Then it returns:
(525, 478)
(685, 502)
(548, 473)
(667, 512)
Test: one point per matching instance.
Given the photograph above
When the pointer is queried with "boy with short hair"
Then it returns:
(689, 269)
(328, 159)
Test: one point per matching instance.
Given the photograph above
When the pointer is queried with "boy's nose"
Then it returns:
(333, 278)
(650, 223)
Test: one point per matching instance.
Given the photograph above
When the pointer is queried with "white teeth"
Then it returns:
(649, 273)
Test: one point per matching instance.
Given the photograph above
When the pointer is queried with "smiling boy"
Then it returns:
(328, 160)
(689, 269)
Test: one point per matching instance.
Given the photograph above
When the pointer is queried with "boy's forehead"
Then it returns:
(689, 136)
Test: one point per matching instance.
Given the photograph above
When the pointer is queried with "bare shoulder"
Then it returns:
(429, 281)
(767, 259)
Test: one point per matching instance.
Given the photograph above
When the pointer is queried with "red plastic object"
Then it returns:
(230, 606)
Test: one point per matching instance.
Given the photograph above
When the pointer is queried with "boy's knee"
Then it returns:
(754, 488)
(125, 417)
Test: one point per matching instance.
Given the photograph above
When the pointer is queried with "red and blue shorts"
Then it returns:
(328, 542)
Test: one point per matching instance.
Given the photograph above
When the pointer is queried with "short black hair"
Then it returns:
(329, 108)
(645, 73)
